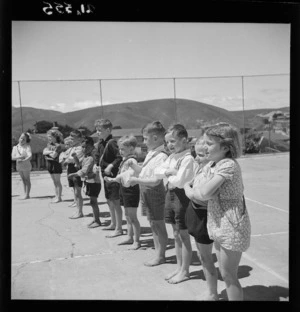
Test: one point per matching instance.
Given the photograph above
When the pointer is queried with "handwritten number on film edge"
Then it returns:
(66, 8)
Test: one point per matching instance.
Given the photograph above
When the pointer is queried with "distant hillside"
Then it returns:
(137, 114)
(30, 116)
(251, 118)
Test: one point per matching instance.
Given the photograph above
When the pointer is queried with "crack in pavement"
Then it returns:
(17, 273)
(106, 252)
(55, 231)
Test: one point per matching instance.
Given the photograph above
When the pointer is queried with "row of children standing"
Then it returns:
(202, 198)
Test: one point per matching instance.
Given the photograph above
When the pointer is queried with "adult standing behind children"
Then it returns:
(129, 195)
(51, 153)
(91, 178)
(152, 190)
(178, 169)
(74, 158)
(22, 154)
(228, 222)
(108, 159)
(196, 221)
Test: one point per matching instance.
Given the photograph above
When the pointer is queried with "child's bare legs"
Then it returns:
(160, 239)
(116, 217)
(133, 228)
(79, 202)
(228, 263)
(209, 269)
(96, 212)
(74, 201)
(183, 249)
(25, 176)
(57, 186)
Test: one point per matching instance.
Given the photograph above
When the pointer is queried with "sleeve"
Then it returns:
(79, 153)
(159, 171)
(86, 168)
(62, 157)
(96, 153)
(28, 152)
(185, 173)
(14, 152)
(125, 176)
(226, 169)
(46, 149)
(114, 150)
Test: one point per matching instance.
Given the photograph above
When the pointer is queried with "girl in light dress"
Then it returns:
(228, 222)
(22, 154)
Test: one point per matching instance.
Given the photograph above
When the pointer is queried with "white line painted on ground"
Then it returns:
(264, 267)
(255, 201)
(276, 233)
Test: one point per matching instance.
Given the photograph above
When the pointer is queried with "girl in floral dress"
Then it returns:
(228, 222)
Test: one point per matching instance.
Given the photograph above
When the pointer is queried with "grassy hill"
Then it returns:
(136, 114)
(30, 116)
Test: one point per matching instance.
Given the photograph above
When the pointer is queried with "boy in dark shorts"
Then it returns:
(152, 189)
(91, 178)
(178, 169)
(196, 221)
(74, 157)
(108, 158)
(129, 195)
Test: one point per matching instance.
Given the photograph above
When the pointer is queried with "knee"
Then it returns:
(154, 226)
(205, 259)
(176, 234)
(228, 277)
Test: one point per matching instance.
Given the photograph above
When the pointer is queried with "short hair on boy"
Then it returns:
(154, 127)
(179, 130)
(229, 136)
(104, 123)
(88, 141)
(76, 133)
(128, 140)
(57, 135)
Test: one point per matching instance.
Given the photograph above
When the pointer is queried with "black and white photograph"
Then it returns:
(150, 160)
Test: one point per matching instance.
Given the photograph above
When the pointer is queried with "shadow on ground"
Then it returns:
(243, 271)
(262, 293)
(41, 197)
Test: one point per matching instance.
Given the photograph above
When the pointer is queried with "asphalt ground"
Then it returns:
(56, 258)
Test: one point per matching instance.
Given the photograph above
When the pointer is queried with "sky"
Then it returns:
(119, 62)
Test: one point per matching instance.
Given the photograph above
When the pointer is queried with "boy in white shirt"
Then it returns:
(152, 190)
(178, 169)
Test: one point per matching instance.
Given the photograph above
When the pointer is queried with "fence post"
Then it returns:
(243, 96)
(174, 84)
(20, 104)
(102, 111)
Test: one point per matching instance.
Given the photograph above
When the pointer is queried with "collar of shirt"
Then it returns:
(182, 154)
(104, 141)
(157, 149)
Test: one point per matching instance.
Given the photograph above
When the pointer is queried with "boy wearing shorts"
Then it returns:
(129, 195)
(91, 178)
(178, 169)
(152, 190)
(108, 159)
(73, 164)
